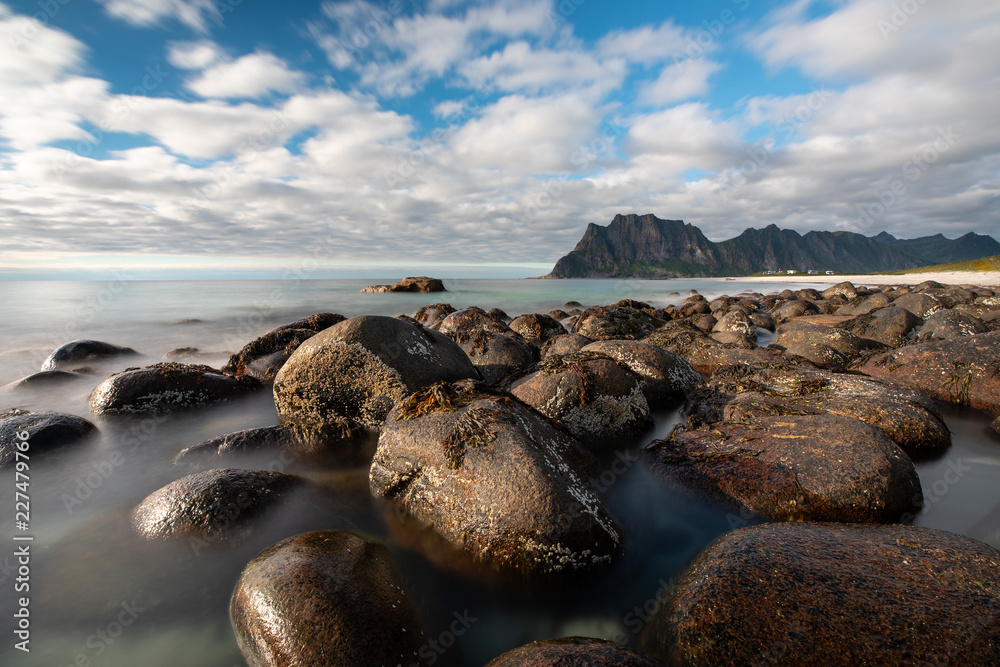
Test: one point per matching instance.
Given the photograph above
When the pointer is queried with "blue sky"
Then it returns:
(228, 137)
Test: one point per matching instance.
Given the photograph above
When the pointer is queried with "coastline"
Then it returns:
(978, 278)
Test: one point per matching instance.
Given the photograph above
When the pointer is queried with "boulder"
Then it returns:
(351, 375)
(795, 308)
(964, 370)
(907, 415)
(945, 324)
(167, 387)
(569, 651)
(797, 333)
(705, 354)
(494, 480)
(891, 326)
(43, 432)
(431, 316)
(419, 284)
(215, 505)
(263, 357)
(762, 320)
(737, 322)
(43, 380)
(615, 323)
(663, 375)
(565, 344)
(377, 289)
(495, 349)
(592, 396)
(288, 439)
(324, 598)
(537, 329)
(921, 305)
(795, 467)
(844, 289)
(824, 594)
(866, 304)
(79, 351)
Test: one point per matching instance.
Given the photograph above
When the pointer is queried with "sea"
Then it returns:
(98, 596)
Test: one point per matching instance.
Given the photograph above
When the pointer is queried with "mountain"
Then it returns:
(635, 246)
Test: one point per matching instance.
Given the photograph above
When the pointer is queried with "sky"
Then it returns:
(238, 138)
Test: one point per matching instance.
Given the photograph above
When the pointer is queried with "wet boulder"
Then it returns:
(794, 467)
(494, 480)
(324, 598)
(565, 344)
(431, 316)
(167, 387)
(921, 305)
(597, 401)
(865, 304)
(826, 594)
(707, 355)
(663, 375)
(737, 322)
(351, 375)
(792, 309)
(289, 441)
(42, 431)
(537, 329)
(825, 346)
(762, 320)
(80, 351)
(263, 357)
(615, 323)
(907, 415)
(845, 289)
(964, 370)
(573, 651)
(215, 505)
(704, 322)
(495, 349)
(945, 324)
(891, 326)
(43, 380)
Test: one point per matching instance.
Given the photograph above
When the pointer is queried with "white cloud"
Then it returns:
(680, 81)
(252, 75)
(649, 45)
(196, 14)
(193, 55)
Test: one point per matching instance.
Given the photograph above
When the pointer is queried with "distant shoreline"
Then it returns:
(978, 278)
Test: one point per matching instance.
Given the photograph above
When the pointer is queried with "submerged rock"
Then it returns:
(592, 396)
(43, 432)
(571, 651)
(812, 467)
(352, 374)
(494, 480)
(825, 594)
(42, 379)
(215, 505)
(263, 357)
(324, 598)
(79, 351)
(166, 387)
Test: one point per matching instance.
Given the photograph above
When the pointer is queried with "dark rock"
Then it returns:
(537, 329)
(663, 375)
(351, 375)
(166, 387)
(891, 326)
(963, 370)
(733, 339)
(44, 431)
(844, 289)
(819, 354)
(43, 379)
(215, 505)
(592, 396)
(431, 316)
(705, 354)
(419, 284)
(288, 439)
(324, 598)
(704, 322)
(921, 305)
(571, 651)
(565, 344)
(908, 416)
(945, 324)
(493, 479)
(495, 349)
(812, 467)
(994, 428)
(80, 351)
(762, 320)
(615, 323)
(263, 357)
(695, 308)
(866, 304)
(572, 304)
(808, 294)
(797, 333)
(823, 594)
(928, 284)
(559, 315)
(499, 315)
(790, 309)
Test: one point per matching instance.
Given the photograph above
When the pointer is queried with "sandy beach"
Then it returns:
(978, 278)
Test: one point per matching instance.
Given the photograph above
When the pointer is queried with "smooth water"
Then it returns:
(101, 597)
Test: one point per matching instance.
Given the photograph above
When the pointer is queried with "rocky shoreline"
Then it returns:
(483, 432)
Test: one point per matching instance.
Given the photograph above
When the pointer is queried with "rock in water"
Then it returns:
(166, 387)
(324, 598)
(663, 375)
(827, 594)
(592, 396)
(215, 505)
(419, 284)
(45, 432)
(495, 480)
(263, 357)
(79, 351)
(352, 374)
(571, 651)
(812, 467)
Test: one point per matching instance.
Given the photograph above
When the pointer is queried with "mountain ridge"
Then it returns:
(644, 246)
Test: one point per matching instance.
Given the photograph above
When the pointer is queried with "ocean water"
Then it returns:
(100, 597)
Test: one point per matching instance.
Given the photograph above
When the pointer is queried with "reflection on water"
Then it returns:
(99, 596)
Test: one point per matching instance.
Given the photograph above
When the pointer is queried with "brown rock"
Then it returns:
(537, 329)
(42, 431)
(614, 323)
(891, 326)
(570, 651)
(663, 375)
(565, 344)
(167, 387)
